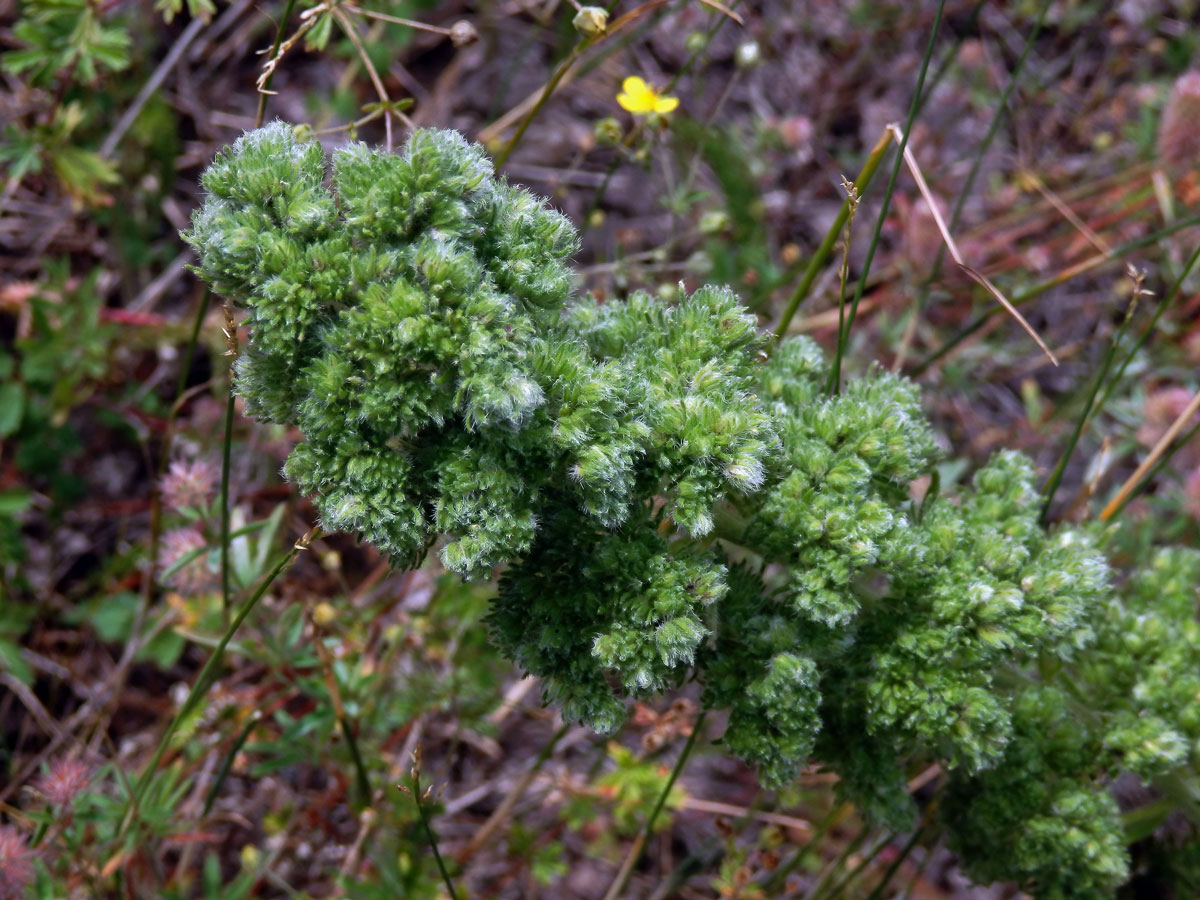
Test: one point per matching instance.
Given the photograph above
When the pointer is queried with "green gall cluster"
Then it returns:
(664, 503)
(408, 319)
(1040, 816)
(839, 506)
(587, 606)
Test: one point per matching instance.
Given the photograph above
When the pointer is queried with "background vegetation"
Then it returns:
(1060, 141)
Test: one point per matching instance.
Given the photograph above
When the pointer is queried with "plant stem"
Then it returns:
(1089, 406)
(207, 675)
(502, 812)
(227, 762)
(360, 768)
(226, 462)
(261, 114)
(818, 259)
(993, 129)
(598, 197)
(839, 889)
(844, 273)
(779, 877)
(433, 842)
(1153, 464)
(639, 843)
(935, 79)
(844, 334)
(1162, 307)
(832, 869)
(547, 91)
(892, 869)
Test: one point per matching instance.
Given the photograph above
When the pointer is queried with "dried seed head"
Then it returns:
(462, 33)
(1179, 129)
(415, 772)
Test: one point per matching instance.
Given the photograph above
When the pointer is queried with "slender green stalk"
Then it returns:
(936, 78)
(836, 866)
(639, 843)
(704, 858)
(779, 877)
(598, 197)
(360, 769)
(1089, 407)
(431, 836)
(226, 463)
(839, 889)
(261, 114)
(912, 883)
(1162, 307)
(844, 334)
(865, 176)
(922, 297)
(566, 66)
(206, 677)
(821, 255)
(227, 763)
(185, 361)
(503, 811)
(1054, 281)
(993, 130)
(896, 863)
(547, 91)
(852, 198)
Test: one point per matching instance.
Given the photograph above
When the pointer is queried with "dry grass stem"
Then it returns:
(395, 20)
(348, 27)
(742, 812)
(1158, 450)
(1066, 212)
(974, 274)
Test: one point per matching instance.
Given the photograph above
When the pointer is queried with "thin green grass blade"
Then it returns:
(836, 373)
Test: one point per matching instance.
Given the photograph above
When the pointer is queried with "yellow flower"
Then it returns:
(641, 99)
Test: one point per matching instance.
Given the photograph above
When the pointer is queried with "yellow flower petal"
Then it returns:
(641, 99)
(633, 85)
(630, 103)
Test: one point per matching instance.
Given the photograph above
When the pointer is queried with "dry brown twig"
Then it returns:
(1158, 450)
(308, 19)
(348, 27)
(740, 812)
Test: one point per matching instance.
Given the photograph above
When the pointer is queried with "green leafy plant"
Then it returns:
(46, 374)
(66, 35)
(667, 501)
